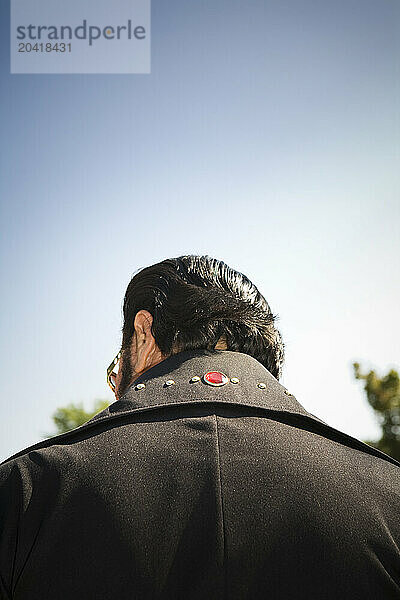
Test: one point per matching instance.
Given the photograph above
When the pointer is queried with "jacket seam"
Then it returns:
(27, 558)
(222, 508)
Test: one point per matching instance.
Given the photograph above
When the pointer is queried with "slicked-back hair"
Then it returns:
(194, 300)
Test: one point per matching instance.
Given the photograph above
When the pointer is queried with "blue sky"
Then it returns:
(266, 135)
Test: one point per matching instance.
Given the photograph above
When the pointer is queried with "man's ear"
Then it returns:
(146, 347)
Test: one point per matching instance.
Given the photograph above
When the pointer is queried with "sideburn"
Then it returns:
(126, 372)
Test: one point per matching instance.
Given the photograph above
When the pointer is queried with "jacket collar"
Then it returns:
(151, 389)
(273, 398)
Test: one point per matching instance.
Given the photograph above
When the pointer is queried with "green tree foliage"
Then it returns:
(383, 394)
(74, 415)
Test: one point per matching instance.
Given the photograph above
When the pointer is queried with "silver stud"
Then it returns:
(140, 386)
(234, 380)
(195, 379)
(262, 386)
(169, 382)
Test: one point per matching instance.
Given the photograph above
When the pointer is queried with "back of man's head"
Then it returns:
(195, 302)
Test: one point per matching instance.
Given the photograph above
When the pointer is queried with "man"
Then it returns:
(206, 479)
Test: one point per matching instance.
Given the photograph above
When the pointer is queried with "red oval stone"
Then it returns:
(215, 378)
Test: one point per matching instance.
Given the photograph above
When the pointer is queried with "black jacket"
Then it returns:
(191, 491)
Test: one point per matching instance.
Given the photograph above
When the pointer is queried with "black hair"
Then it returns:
(194, 300)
